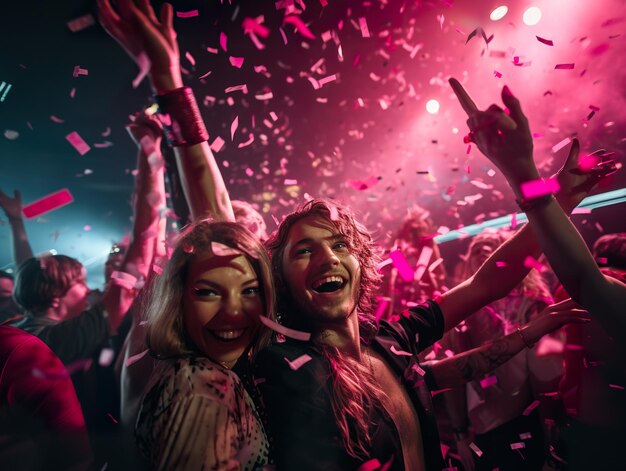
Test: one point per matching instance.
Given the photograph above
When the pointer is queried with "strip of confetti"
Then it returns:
(547, 42)
(78, 143)
(131, 360)
(187, 14)
(296, 364)
(217, 144)
(287, 332)
(48, 203)
(533, 405)
(403, 267)
(365, 32)
(300, 26)
(564, 66)
(80, 23)
(243, 88)
(488, 381)
(6, 90)
(395, 351)
(476, 450)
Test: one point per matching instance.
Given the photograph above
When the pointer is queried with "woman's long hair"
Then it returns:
(355, 392)
(163, 310)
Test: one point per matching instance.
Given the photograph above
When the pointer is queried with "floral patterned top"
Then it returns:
(198, 415)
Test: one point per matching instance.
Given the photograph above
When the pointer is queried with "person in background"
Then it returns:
(9, 310)
(603, 296)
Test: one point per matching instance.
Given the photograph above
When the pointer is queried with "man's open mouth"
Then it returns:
(328, 284)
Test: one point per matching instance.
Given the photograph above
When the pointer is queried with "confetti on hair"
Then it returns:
(540, 187)
(222, 250)
(299, 25)
(547, 42)
(533, 405)
(80, 23)
(286, 331)
(48, 203)
(296, 364)
(187, 14)
(131, 360)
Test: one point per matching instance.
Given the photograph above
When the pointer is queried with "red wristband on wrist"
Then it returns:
(181, 118)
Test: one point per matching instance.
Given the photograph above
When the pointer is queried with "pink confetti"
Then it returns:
(243, 88)
(371, 465)
(422, 262)
(233, 127)
(190, 58)
(557, 147)
(187, 14)
(533, 405)
(300, 26)
(246, 143)
(56, 119)
(363, 184)
(435, 264)
(296, 364)
(48, 203)
(325, 80)
(540, 187)
(80, 23)
(287, 332)
(87, 227)
(236, 61)
(488, 381)
(135, 358)
(547, 42)
(381, 308)
(290, 181)
(497, 74)
(616, 386)
(475, 449)
(143, 62)
(518, 445)
(403, 267)
(217, 144)
(78, 71)
(79, 144)
(525, 436)
(223, 41)
(395, 351)
(564, 66)
(530, 262)
(250, 25)
(106, 356)
(365, 32)
(222, 250)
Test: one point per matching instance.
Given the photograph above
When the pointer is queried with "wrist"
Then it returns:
(526, 339)
(165, 82)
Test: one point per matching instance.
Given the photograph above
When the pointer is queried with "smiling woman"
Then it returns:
(203, 318)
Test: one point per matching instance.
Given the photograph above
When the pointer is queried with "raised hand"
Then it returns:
(148, 40)
(554, 317)
(12, 207)
(576, 179)
(505, 139)
(145, 125)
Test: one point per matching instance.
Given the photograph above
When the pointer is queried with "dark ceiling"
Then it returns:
(364, 137)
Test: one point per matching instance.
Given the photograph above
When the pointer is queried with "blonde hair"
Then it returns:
(163, 311)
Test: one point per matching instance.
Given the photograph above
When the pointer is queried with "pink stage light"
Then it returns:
(532, 16)
(499, 12)
(432, 106)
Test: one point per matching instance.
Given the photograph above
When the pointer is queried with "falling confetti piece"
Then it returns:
(79, 144)
(11, 135)
(135, 358)
(296, 364)
(6, 90)
(403, 267)
(564, 66)
(233, 127)
(547, 42)
(80, 23)
(475, 449)
(300, 26)
(187, 14)
(223, 41)
(217, 144)
(287, 332)
(557, 147)
(106, 356)
(48, 203)
(371, 465)
(518, 445)
(530, 262)
(236, 61)
(488, 382)
(243, 88)
(395, 351)
(365, 32)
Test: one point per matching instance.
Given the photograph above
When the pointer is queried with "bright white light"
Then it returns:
(432, 106)
(532, 16)
(499, 13)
